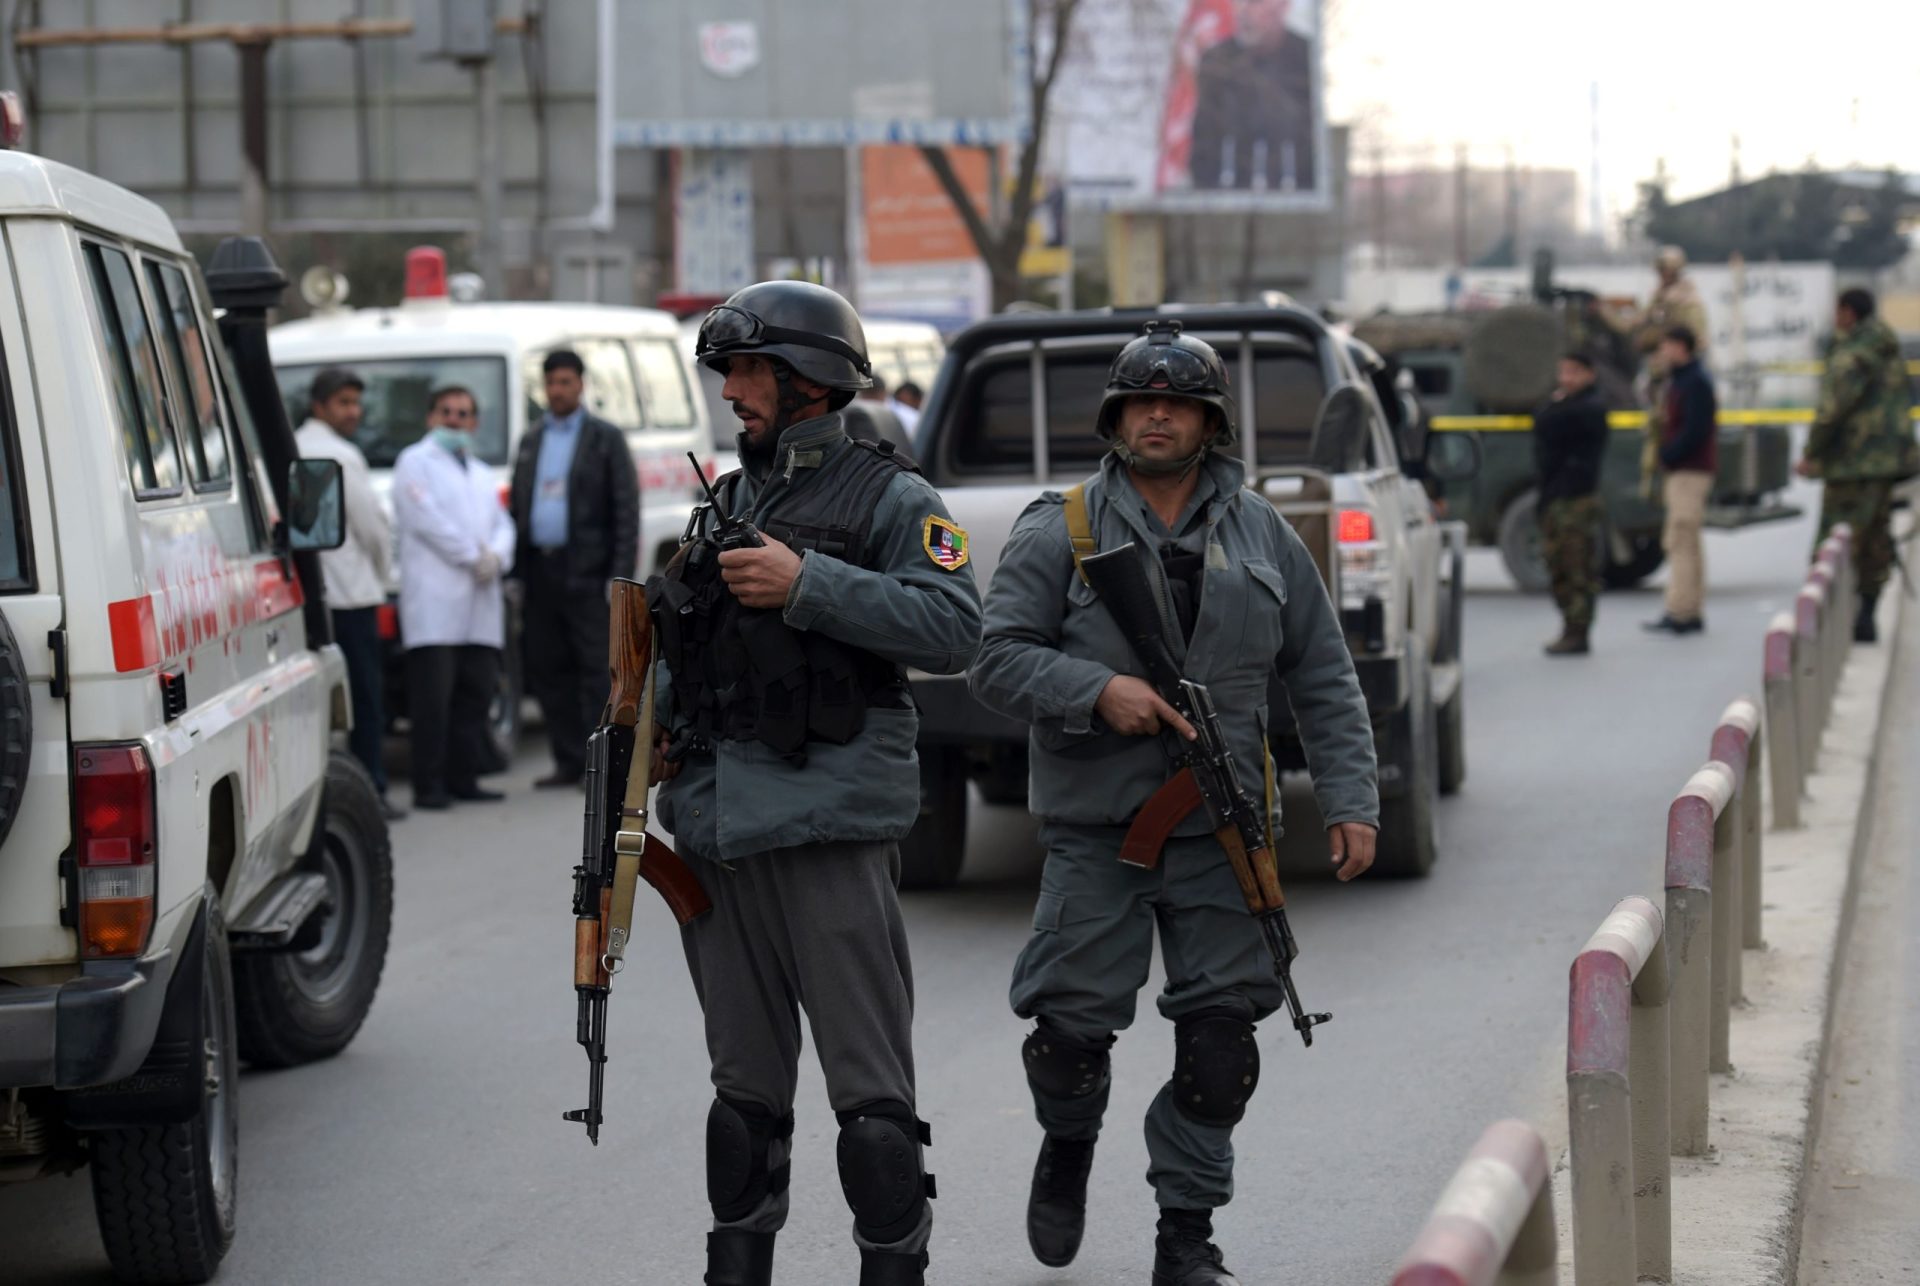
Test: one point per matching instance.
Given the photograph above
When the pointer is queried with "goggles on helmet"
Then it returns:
(1163, 362)
(727, 328)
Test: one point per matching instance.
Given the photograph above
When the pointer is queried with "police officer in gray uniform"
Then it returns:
(787, 741)
(1243, 600)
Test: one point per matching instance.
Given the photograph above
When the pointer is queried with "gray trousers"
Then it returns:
(1089, 955)
(816, 927)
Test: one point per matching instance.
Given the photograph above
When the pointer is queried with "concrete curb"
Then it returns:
(1737, 1210)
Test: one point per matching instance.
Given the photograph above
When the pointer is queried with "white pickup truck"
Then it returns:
(192, 874)
(1326, 436)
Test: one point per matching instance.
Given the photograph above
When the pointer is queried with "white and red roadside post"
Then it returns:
(1493, 1224)
(1617, 1092)
(1691, 822)
(1783, 736)
(1809, 613)
(1737, 744)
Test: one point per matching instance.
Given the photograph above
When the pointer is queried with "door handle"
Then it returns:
(273, 637)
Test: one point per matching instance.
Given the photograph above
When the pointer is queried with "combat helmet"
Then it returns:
(1162, 360)
(811, 329)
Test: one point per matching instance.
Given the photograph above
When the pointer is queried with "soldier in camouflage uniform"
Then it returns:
(1569, 444)
(1862, 442)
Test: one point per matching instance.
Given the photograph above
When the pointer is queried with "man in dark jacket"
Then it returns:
(1690, 453)
(1253, 123)
(576, 514)
(1569, 444)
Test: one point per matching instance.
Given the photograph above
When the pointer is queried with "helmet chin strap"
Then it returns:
(1162, 468)
(790, 402)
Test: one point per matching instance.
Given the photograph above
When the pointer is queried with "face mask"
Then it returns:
(451, 439)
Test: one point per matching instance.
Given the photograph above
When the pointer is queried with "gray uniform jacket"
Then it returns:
(1050, 647)
(903, 605)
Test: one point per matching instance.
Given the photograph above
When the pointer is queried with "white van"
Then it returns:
(192, 873)
(637, 379)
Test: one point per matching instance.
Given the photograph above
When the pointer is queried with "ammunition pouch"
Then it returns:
(742, 674)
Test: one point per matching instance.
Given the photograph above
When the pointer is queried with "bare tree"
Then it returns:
(1000, 245)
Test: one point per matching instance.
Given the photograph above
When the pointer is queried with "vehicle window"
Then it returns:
(610, 392)
(664, 394)
(16, 568)
(256, 488)
(134, 369)
(995, 410)
(397, 389)
(184, 344)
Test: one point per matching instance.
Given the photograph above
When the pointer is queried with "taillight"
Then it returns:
(1356, 525)
(114, 849)
(1364, 571)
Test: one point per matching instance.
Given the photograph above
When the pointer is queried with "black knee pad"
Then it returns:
(1216, 1066)
(738, 1137)
(1061, 1067)
(882, 1171)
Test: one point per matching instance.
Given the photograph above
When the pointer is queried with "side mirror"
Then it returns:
(1340, 431)
(1453, 456)
(316, 505)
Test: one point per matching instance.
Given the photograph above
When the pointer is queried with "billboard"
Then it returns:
(752, 73)
(919, 261)
(1193, 105)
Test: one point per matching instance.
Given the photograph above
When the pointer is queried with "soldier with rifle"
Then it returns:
(821, 570)
(1135, 622)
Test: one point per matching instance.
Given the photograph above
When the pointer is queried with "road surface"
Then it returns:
(433, 1150)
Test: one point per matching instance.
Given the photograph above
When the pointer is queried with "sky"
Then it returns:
(1838, 82)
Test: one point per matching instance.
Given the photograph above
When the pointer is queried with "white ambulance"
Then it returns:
(191, 873)
(637, 378)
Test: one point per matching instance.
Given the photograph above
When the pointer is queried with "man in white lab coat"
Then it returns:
(456, 540)
(356, 573)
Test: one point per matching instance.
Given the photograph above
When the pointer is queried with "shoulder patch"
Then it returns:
(945, 543)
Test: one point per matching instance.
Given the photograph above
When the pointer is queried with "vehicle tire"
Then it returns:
(1452, 736)
(1005, 780)
(164, 1194)
(297, 1006)
(1520, 543)
(16, 727)
(1643, 562)
(505, 713)
(933, 851)
(1409, 822)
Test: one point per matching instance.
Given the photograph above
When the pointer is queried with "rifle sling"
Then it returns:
(1079, 528)
(1153, 825)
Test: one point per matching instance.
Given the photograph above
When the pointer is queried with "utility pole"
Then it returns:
(1460, 204)
(253, 135)
(1513, 210)
(1379, 204)
(1596, 212)
(488, 252)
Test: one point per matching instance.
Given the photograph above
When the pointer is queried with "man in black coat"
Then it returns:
(1253, 123)
(576, 512)
(1570, 444)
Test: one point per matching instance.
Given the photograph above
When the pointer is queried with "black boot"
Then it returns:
(889, 1268)
(1572, 642)
(1184, 1253)
(1057, 1205)
(1864, 630)
(736, 1258)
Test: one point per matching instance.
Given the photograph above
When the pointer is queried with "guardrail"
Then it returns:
(1650, 995)
(1493, 1224)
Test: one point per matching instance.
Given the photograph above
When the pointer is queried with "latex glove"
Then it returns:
(487, 569)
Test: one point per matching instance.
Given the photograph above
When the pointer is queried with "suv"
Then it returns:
(190, 874)
(1327, 437)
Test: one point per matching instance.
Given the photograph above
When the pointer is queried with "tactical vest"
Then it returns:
(744, 674)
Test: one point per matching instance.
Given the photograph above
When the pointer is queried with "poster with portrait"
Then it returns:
(1192, 105)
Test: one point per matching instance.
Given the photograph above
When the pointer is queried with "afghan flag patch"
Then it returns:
(945, 543)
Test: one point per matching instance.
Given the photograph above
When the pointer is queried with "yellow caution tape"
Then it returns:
(1617, 420)
(1816, 368)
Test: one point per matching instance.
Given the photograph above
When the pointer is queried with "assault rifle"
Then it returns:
(1206, 777)
(618, 852)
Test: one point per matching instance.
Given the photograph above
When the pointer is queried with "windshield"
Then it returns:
(726, 425)
(396, 401)
(993, 425)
